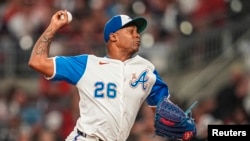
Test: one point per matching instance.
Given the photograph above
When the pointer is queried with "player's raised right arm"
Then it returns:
(39, 59)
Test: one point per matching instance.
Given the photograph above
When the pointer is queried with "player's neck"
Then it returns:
(120, 56)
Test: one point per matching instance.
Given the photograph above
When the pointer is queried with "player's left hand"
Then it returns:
(171, 122)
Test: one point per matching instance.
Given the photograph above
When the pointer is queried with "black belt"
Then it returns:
(84, 134)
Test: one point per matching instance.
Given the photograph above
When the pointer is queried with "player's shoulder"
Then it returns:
(80, 58)
(143, 60)
(89, 56)
(98, 58)
(139, 57)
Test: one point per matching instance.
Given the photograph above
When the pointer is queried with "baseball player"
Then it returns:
(111, 88)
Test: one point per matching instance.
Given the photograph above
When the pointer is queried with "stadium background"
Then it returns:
(200, 47)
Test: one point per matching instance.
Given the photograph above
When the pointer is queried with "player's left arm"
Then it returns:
(159, 90)
(153, 108)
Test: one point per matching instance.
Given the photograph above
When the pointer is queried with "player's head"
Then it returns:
(119, 21)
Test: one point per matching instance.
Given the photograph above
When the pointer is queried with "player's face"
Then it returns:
(128, 39)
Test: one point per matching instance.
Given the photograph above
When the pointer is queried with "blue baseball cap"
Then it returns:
(119, 21)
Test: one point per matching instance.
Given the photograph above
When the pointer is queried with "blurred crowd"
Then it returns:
(49, 113)
(24, 20)
(230, 105)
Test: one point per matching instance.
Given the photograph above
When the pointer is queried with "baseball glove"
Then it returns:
(172, 122)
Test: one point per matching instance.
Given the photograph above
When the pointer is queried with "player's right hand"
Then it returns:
(57, 22)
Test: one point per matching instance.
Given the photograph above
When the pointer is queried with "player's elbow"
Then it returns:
(43, 66)
(34, 64)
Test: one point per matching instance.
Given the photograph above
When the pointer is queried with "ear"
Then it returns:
(112, 37)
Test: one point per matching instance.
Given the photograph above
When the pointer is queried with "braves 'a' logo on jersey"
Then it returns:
(141, 79)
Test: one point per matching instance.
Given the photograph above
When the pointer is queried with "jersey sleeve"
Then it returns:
(159, 90)
(70, 68)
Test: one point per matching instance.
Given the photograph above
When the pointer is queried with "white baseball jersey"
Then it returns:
(111, 91)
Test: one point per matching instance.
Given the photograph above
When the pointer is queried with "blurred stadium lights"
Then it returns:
(139, 7)
(147, 40)
(186, 28)
(96, 4)
(56, 48)
(236, 6)
(26, 42)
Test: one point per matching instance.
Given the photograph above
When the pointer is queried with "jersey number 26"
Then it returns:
(102, 90)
